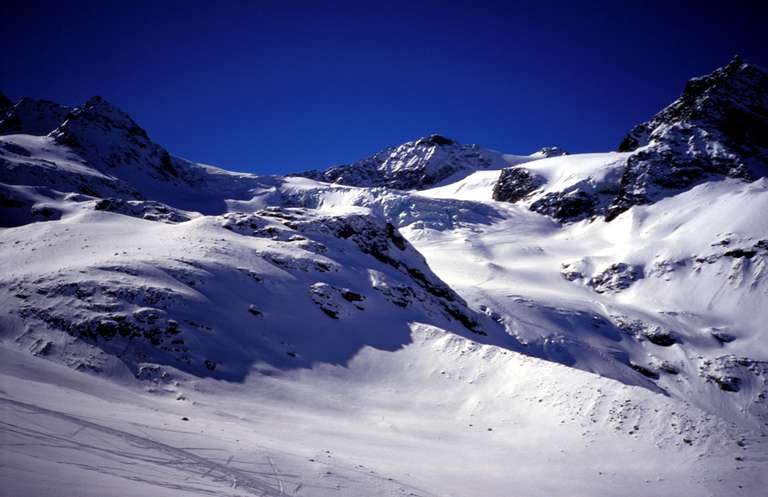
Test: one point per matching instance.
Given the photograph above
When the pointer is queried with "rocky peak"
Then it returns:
(31, 117)
(732, 99)
(717, 128)
(436, 139)
(545, 152)
(415, 164)
(105, 135)
(98, 119)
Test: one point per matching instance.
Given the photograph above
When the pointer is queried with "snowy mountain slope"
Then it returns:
(578, 295)
(677, 289)
(472, 420)
(268, 336)
(30, 116)
(611, 298)
(217, 294)
(567, 188)
(716, 129)
(422, 163)
(99, 151)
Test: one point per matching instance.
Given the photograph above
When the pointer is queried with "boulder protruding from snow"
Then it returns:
(515, 183)
(615, 278)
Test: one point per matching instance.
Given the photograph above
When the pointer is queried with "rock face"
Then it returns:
(640, 330)
(515, 183)
(143, 209)
(718, 127)
(616, 277)
(105, 134)
(413, 165)
(733, 374)
(30, 116)
(566, 206)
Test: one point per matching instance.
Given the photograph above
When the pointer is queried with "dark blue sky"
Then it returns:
(273, 87)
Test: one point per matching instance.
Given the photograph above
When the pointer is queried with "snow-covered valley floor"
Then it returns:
(475, 421)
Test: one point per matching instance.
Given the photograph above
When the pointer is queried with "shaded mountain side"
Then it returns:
(30, 116)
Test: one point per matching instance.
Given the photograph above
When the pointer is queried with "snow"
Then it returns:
(477, 186)
(47, 153)
(389, 423)
(565, 172)
(217, 333)
(428, 162)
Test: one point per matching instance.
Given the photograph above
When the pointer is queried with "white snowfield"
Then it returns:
(190, 332)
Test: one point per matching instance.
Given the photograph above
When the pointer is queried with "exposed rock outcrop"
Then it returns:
(615, 278)
(717, 128)
(515, 183)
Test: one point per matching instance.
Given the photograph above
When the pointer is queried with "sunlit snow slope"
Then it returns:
(436, 320)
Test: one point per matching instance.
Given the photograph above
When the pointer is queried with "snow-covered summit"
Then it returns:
(109, 137)
(414, 165)
(98, 150)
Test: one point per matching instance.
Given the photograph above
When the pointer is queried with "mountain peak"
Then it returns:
(107, 136)
(717, 128)
(98, 122)
(436, 139)
(98, 104)
(413, 165)
(98, 108)
(720, 100)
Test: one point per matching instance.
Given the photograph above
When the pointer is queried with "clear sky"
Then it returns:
(273, 87)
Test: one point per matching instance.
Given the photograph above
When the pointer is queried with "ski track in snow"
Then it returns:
(140, 451)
